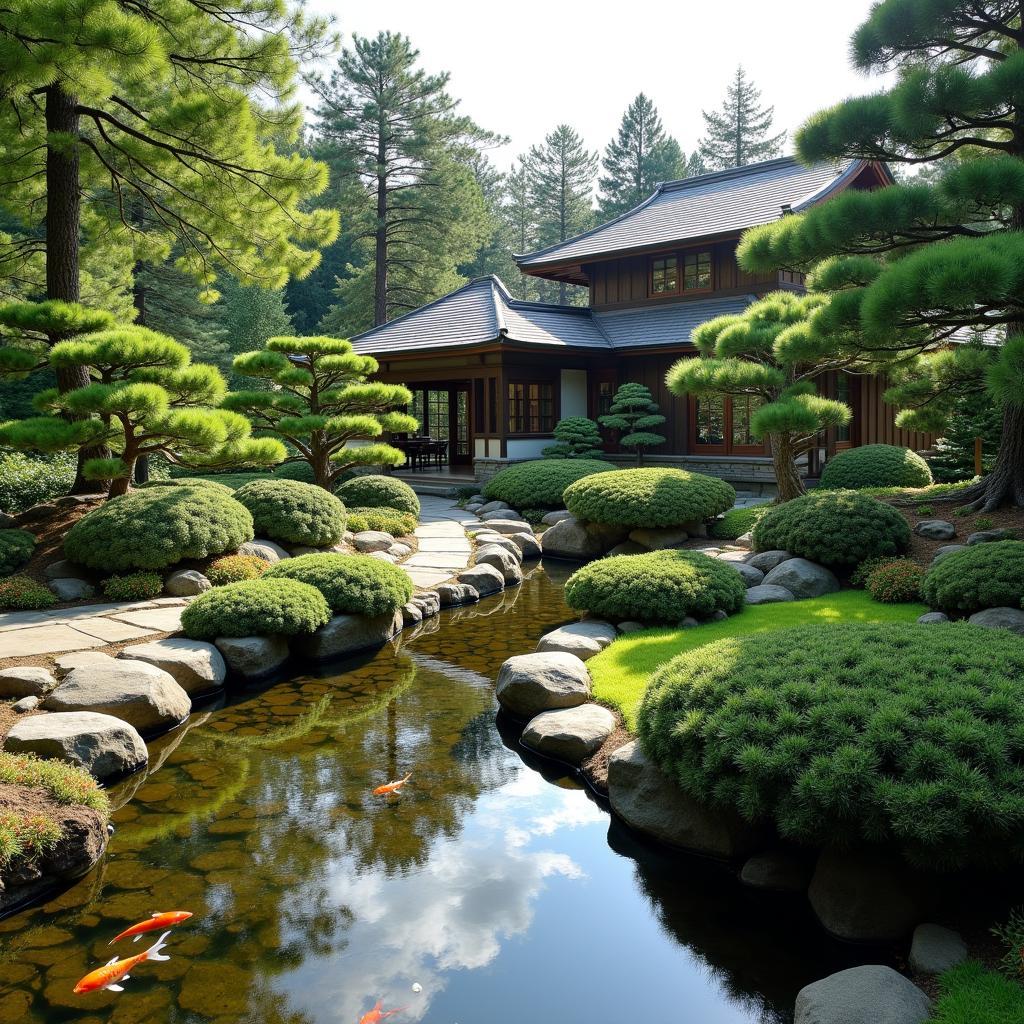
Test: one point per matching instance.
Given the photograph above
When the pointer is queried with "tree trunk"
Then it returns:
(1005, 484)
(120, 485)
(786, 473)
(380, 267)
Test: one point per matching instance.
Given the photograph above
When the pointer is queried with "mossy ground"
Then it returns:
(969, 994)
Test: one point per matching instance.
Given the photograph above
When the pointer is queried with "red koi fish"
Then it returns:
(159, 920)
(376, 1015)
(392, 787)
(111, 974)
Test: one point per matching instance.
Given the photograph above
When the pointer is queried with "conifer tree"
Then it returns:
(634, 412)
(739, 133)
(321, 401)
(520, 219)
(576, 437)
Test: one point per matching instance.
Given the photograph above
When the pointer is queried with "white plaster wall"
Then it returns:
(479, 447)
(527, 448)
(574, 393)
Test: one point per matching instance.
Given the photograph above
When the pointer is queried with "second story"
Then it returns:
(680, 244)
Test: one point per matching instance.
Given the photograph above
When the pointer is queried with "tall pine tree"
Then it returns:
(739, 133)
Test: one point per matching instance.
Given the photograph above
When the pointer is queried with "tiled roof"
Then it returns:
(709, 204)
(669, 324)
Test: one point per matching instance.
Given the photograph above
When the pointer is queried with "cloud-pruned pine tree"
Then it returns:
(576, 437)
(740, 132)
(635, 413)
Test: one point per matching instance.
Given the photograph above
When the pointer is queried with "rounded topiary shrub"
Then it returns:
(374, 491)
(895, 581)
(292, 512)
(188, 481)
(25, 594)
(16, 547)
(352, 584)
(875, 465)
(295, 471)
(388, 520)
(649, 498)
(157, 527)
(233, 568)
(984, 576)
(838, 528)
(899, 733)
(663, 586)
(540, 484)
(256, 608)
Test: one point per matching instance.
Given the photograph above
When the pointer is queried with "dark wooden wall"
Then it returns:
(875, 420)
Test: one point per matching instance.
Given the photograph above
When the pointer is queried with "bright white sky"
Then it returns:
(520, 68)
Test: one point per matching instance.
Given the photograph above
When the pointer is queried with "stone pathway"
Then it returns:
(444, 548)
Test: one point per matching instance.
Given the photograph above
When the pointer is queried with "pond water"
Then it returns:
(501, 891)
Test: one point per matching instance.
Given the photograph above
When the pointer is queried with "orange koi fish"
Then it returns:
(392, 787)
(111, 974)
(376, 1015)
(159, 920)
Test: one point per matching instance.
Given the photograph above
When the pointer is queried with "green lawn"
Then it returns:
(620, 672)
(972, 995)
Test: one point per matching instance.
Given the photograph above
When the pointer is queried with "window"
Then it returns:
(605, 394)
(843, 395)
(665, 276)
(531, 408)
(696, 271)
(743, 408)
(721, 426)
(710, 421)
(690, 272)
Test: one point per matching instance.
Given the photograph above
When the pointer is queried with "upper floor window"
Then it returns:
(689, 272)
(665, 276)
(531, 408)
(696, 271)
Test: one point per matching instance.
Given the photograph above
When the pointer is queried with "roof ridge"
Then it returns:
(730, 172)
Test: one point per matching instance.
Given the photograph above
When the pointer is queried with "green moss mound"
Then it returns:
(968, 994)
(737, 521)
(389, 520)
(261, 607)
(292, 512)
(983, 576)
(16, 547)
(295, 471)
(135, 586)
(664, 586)
(188, 481)
(839, 528)
(540, 484)
(649, 498)
(352, 584)
(157, 527)
(875, 465)
(901, 734)
(374, 491)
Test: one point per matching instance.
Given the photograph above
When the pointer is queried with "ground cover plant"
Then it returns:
(388, 520)
(16, 547)
(970, 994)
(372, 491)
(984, 576)
(24, 594)
(540, 484)
(291, 512)
(135, 586)
(875, 465)
(663, 586)
(233, 568)
(649, 498)
(262, 607)
(895, 582)
(737, 521)
(352, 584)
(27, 480)
(854, 733)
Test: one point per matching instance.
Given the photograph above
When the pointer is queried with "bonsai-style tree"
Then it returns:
(576, 437)
(933, 258)
(635, 413)
(146, 397)
(321, 402)
(766, 353)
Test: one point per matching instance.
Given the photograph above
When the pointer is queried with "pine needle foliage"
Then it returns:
(740, 132)
(576, 437)
(635, 414)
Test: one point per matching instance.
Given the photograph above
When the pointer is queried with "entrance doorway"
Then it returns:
(443, 412)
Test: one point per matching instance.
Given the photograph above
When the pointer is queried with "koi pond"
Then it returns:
(492, 890)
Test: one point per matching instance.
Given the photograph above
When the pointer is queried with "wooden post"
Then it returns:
(977, 456)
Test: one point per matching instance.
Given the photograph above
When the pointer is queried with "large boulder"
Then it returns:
(71, 589)
(527, 543)
(802, 578)
(862, 995)
(989, 536)
(451, 595)
(935, 949)
(253, 657)
(531, 683)
(571, 734)
(777, 870)
(484, 579)
(27, 681)
(659, 540)
(578, 541)
(500, 559)
(648, 801)
(265, 549)
(552, 518)
(492, 506)
(935, 529)
(428, 602)
(944, 552)
(507, 526)
(347, 634)
(500, 513)
(142, 695)
(198, 667)
(752, 576)
(999, 618)
(768, 594)
(372, 540)
(767, 560)
(186, 583)
(497, 540)
(932, 618)
(101, 744)
(584, 639)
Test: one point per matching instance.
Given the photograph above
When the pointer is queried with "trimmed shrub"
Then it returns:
(984, 576)
(398, 524)
(374, 491)
(233, 568)
(188, 481)
(136, 586)
(256, 608)
(838, 528)
(292, 512)
(737, 521)
(25, 594)
(895, 582)
(27, 480)
(663, 586)
(576, 437)
(16, 547)
(352, 584)
(900, 734)
(875, 465)
(540, 484)
(649, 498)
(859, 577)
(295, 471)
(158, 526)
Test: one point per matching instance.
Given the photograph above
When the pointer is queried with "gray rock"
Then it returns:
(198, 667)
(398, 551)
(935, 529)
(102, 744)
(25, 704)
(252, 657)
(504, 561)
(504, 515)
(651, 803)
(80, 659)
(935, 949)
(628, 547)
(988, 536)
(531, 683)
(945, 551)
(864, 897)
(659, 540)
(265, 549)
(347, 634)
(768, 593)
(507, 527)
(478, 499)
(27, 681)
(802, 578)
(752, 576)
(527, 543)
(64, 570)
(745, 540)
(579, 541)
(999, 618)
(493, 506)
(556, 517)
(571, 734)
(862, 995)
(777, 870)
(767, 560)
(933, 618)
(688, 623)
(185, 583)
(629, 626)
(72, 589)
(428, 603)
(454, 594)
(372, 540)
(411, 614)
(473, 506)
(484, 579)
(488, 540)
(382, 556)
(138, 693)
(584, 639)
